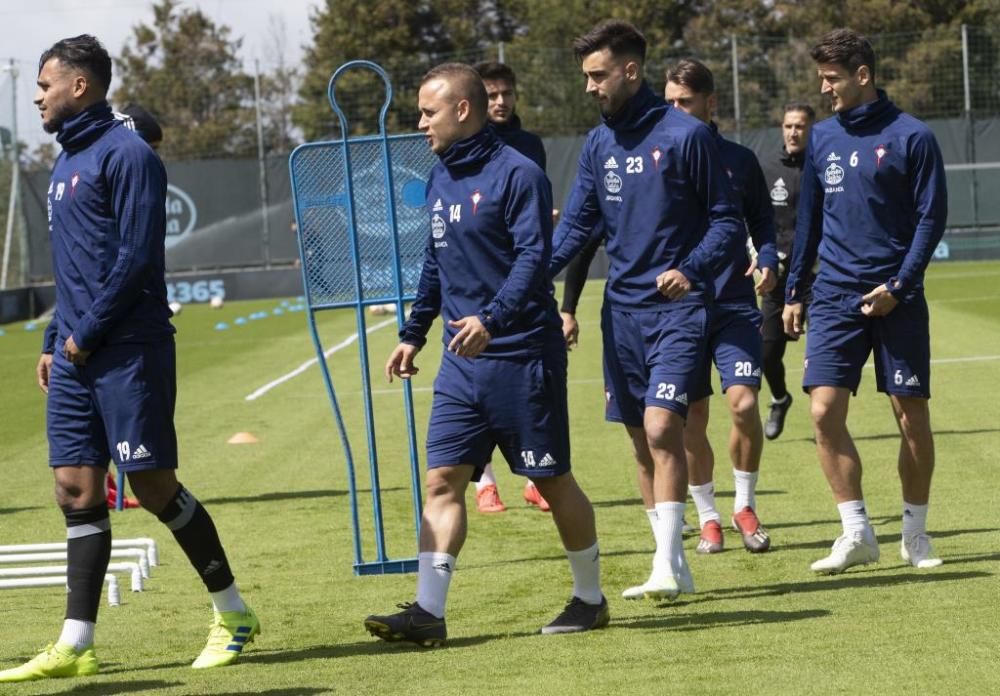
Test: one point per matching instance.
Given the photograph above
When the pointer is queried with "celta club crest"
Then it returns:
(612, 182)
(880, 152)
(834, 174)
(476, 197)
(72, 184)
(657, 154)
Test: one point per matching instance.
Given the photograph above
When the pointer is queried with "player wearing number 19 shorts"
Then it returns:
(652, 175)
(873, 206)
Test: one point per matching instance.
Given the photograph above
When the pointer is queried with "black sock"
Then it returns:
(88, 550)
(772, 358)
(195, 532)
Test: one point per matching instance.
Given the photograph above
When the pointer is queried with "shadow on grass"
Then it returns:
(12, 510)
(627, 502)
(293, 495)
(719, 619)
(856, 579)
(372, 647)
(884, 538)
(297, 691)
(98, 688)
(559, 557)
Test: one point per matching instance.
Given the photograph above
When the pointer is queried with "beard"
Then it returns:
(59, 116)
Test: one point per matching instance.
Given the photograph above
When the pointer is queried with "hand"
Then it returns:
(555, 216)
(571, 329)
(42, 370)
(471, 339)
(791, 317)
(768, 281)
(74, 354)
(878, 302)
(751, 268)
(673, 284)
(400, 362)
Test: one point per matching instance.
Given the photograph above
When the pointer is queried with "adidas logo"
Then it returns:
(141, 452)
(443, 566)
(547, 460)
(682, 399)
(913, 381)
(211, 568)
(438, 207)
(611, 163)
(756, 373)
(833, 157)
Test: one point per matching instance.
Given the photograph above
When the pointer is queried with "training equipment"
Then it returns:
(135, 574)
(114, 592)
(848, 550)
(488, 499)
(362, 227)
(755, 537)
(216, 302)
(138, 554)
(916, 550)
(228, 634)
(579, 616)
(149, 545)
(176, 308)
(54, 661)
(711, 538)
(412, 624)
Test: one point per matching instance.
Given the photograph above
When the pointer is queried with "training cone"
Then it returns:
(242, 439)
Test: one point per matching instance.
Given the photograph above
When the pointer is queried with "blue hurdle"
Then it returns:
(362, 226)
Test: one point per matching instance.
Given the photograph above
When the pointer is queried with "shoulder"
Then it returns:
(519, 168)
(125, 147)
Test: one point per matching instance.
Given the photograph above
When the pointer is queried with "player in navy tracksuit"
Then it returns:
(652, 174)
(502, 381)
(108, 366)
(501, 91)
(734, 333)
(873, 205)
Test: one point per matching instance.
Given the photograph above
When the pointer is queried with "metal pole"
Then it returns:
(262, 165)
(500, 52)
(735, 59)
(15, 177)
(970, 126)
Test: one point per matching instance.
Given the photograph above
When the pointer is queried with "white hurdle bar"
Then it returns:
(114, 596)
(138, 554)
(135, 575)
(146, 543)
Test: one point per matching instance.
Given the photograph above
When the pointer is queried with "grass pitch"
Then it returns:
(759, 624)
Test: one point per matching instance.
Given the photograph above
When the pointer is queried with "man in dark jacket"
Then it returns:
(873, 190)
(108, 368)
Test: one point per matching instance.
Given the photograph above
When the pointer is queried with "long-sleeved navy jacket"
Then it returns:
(873, 203)
(107, 221)
(488, 250)
(653, 174)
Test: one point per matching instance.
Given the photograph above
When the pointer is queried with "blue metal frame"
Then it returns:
(382, 563)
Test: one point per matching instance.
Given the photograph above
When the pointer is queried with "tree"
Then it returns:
(183, 68)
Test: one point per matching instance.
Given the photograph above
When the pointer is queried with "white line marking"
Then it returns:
(312, 361)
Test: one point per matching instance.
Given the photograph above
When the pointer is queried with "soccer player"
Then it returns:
(783, 174)
(874, 204)
(653, 175)
(733, 333)
(501, 91)
(109, 368)
(502, 380)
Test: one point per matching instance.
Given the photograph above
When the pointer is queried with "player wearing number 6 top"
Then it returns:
(502, 381)
(109, 367)
(873, 191)
(653, 176)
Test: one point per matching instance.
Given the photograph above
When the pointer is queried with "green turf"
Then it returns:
(759, 624)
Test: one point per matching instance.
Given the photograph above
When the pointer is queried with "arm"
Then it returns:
(726, 232)
(427, 304)
(930, 201)
(759, 216)
(51, 334)
(580, 218)
(808, 231)
(576, 275)
(138, 185)
(528, 214)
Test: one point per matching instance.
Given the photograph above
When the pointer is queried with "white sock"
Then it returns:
(914, 519)
(854, 517)
(704, 500)
(746, 489)
(651, 515)
(486, 478)
(77, 634)
(433, 578)
(586, 567)
(228, 599)
(669, 525)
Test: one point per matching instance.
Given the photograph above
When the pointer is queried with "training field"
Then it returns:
(759, 624)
